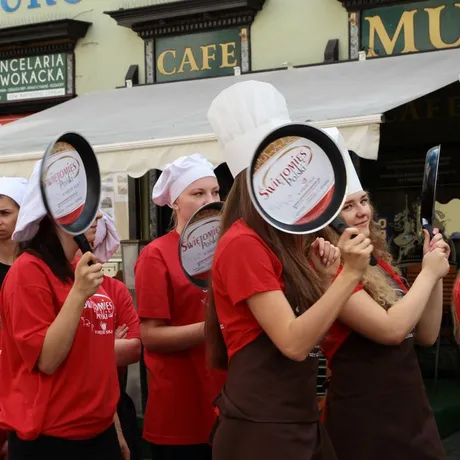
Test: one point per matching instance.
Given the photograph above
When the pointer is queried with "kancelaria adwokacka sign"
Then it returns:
(33, 77)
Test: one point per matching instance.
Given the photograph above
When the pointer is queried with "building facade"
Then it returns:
(54, 50)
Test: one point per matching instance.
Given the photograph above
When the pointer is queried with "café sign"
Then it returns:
(33, 77)
(199, 55)
(411, 27)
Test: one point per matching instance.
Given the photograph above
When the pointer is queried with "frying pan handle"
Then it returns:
(340, 226)
(429, 229)
(83, 244)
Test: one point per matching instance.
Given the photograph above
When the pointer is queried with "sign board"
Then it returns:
(33, 77)
(11, 6)
(411, 27)
(199, 55)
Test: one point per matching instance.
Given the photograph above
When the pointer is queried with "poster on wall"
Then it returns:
(108, 197)
(114, 202)
(121, 188)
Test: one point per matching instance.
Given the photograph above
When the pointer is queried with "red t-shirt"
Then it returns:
(339, 332)
(80, 399)
(181, 386)
(457, 296)
(125, 313)
(243, 266)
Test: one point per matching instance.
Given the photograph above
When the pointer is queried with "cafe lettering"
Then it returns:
(198, 55)
(409, 28)
(11, 6)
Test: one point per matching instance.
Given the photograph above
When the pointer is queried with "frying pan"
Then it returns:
(198, 241)
(428, 198)
(70, 184)
(297, 179)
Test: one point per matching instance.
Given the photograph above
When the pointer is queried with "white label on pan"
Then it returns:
(199, 244)
(65, 185)
(296, 184)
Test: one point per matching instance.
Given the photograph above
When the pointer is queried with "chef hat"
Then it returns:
(242, 115)
(354, 184)
(32, 210)
(14, 188)
(107, 240)
(177, 176)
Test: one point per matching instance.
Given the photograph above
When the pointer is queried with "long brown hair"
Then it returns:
(374, 281)
(46, 246)
(303, 284)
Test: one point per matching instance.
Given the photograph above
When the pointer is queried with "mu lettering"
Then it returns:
(407, 28)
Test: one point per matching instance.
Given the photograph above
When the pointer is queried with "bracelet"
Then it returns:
(119, 430)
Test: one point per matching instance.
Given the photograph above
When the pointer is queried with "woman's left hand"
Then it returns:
(325, 257)
(121, 332)
(436, 242)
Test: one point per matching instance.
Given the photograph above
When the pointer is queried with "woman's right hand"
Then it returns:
(436, 263)
(88, 278)
(356, 251)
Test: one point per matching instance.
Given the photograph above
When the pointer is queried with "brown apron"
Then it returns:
(376, 405)
(268, 408)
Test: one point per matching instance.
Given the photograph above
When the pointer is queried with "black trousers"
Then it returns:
(128, 420)
(103, 447)
(192, 452)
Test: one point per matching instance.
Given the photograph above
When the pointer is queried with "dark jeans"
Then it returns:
(103, 447)
(193, 452)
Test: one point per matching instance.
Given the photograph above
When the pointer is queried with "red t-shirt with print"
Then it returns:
(182, 388)
(80, 399)
(243, 266)
(125, 313)
(339, 332)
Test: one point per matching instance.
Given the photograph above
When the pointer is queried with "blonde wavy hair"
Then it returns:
(375, 281)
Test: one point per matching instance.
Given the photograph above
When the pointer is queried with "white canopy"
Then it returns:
(141, 128)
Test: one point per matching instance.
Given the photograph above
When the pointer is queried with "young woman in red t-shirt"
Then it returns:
(12, 190)
(269, 308)
(179, 415)
(58, 388)
(376, 404)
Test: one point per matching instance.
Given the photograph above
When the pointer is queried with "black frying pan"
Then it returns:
(428, 198)
(70, 184)
(297, 179)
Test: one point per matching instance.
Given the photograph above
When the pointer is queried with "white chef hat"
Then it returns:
(354, 184)
(14, 188)
(177, 176)
(242, 115)
(107, 240)
(32, 210)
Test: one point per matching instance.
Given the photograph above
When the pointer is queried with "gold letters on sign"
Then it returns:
(194, 62)
(407, 26)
